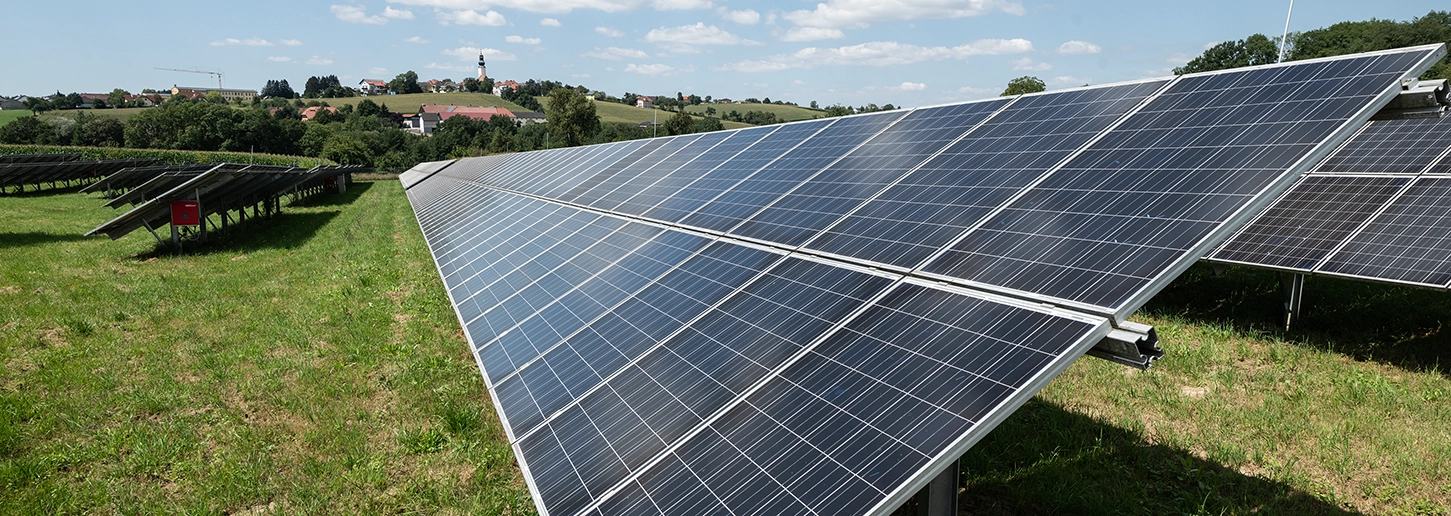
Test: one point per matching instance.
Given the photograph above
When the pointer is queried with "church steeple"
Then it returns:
(483, 72)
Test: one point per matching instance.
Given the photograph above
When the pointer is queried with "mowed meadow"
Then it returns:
(312, 364)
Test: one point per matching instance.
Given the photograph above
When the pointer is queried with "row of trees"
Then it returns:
(1338, 39)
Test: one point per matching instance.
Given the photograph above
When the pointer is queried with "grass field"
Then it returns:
(410, 103)
(313, 365)
(610, 112)
(783, 112)
(9, 115)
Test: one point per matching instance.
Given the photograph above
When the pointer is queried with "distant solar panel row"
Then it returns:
(818, 317)
(20, 175)
(1378, 209)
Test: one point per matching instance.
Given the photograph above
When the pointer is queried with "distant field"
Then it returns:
(611, 112)
(783, 112)
(9, 115)
(410, 103)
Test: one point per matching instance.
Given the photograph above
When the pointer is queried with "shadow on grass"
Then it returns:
(1046, 460)
(31, 191)
(355, 190)
(36, 238)
(287, 230)
(1400, 326)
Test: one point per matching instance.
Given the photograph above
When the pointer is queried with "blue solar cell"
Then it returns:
(954, 191)
(1310, 220)
(589, 192)
(1410, 242)
(789, 170)
(737, 168)
(860, 175)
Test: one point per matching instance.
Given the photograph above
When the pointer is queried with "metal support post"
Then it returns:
(939, 498)
(176, 237)
(1295, 292)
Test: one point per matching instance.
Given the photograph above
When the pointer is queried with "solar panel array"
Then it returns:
(34, 173)
(220, 189)
(819, 317)
(1377, 209)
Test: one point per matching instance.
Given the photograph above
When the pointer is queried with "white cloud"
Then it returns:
(291, 42)
(249, 42)
(861, 13)
(680, 5)
(471, 17)
(523, 40)
(549, 22)
(448, 67)
(279, 59)
(580, 76)
(416, 39)
(746, 17)
(698, 34)
(320, 61)
(356, 14)
(1067, 81)
(912, 86)
(1027, 64)
(652, 69)
(472, 53)
(1211, 44)
(378, 70)
(879, 53)
(608, 32)
(397, 14)
(978, 93)
(561, 6)
(812, 34)
(615, 53)
(1078, 47)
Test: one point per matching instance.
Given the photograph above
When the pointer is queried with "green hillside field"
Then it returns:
(783, 112)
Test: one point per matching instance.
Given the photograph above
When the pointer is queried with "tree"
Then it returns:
(681, 123)
(367, 107)
(276, 89)
(571, 116)
(102, 132)
(1365, 36)
(705, 125)
(27, 130)
(38, 105)
(346, 150)
(320, 86)
(813, 105)
(406, 82)
(1024, 84)
(117, 98)
(1254, 50)
(214, 97)
(838, 110)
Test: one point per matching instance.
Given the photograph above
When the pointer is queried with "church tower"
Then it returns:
(483, 72)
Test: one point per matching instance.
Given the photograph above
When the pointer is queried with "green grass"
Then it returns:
(612, 113)
(410, 103)
(783, 112)
(314, 365)
(311, 364)
(11, 115)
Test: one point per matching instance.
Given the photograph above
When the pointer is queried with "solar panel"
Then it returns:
(1310, 221)
(942, 198)
(422, 171)
(1408, 243)
(664, 330)
(1348, 217)
(1126, 213)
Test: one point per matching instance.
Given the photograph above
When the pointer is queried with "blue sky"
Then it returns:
(905, 52)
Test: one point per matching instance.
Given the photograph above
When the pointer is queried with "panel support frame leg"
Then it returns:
(939, 498)
(1294, 284)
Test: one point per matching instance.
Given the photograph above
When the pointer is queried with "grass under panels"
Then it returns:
(312, 364)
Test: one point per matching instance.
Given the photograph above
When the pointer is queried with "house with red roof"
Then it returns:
(373, 87)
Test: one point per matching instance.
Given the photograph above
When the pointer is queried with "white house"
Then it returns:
(372, 87)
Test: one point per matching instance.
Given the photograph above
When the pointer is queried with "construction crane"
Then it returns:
(218, 74)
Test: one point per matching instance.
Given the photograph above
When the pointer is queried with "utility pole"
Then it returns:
(1285, 37)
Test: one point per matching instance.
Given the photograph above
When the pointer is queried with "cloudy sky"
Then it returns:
(906, 52)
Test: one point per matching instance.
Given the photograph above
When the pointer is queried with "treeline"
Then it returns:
(1338, 39)
(367, 133)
